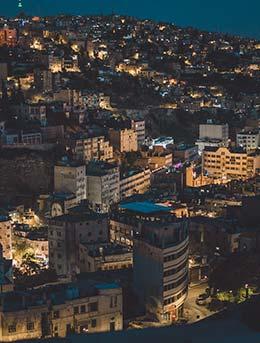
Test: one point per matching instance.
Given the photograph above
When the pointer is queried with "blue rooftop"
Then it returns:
(144, 207)
(106, 286)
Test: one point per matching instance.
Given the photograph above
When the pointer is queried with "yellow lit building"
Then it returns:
(135, 182)
(92, 148)
(226, 164)
(124, 140)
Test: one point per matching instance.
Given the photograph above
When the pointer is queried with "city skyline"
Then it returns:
(235, 18)
(129, 171)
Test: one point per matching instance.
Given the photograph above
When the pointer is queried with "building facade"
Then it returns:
(70, 177)
(223, 163)
(67, 232)
(92, 148)
(105, 256)
(8, 37)
(60, 310)
(214, 131)
(124, 140)
(138, 125)
(161, 249)
(6, 236)
(248, 140)
(135, 182)
(160, 244)
(103, 185)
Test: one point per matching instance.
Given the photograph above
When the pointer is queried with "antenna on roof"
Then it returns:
(20, 4)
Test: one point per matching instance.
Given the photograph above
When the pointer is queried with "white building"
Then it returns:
(204, 143)
(70, 177)
(214, 131)
(249, 140)
(163, 142)
(103, 185)
(138, 125)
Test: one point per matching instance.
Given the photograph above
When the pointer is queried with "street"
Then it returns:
(192, 311)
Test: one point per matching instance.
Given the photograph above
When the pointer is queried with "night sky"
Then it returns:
(233, 16)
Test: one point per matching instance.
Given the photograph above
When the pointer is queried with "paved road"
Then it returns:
(192, 311)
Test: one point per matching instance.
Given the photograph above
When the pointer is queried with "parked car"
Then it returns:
(202, 299)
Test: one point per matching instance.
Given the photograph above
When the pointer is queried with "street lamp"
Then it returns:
(247, 290)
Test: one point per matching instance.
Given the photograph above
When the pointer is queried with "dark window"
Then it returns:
(68, 328)
(30, 326)
(83, 308)
(93, 323)
(56, 314)
(93, 307)
(12, 328)
(76, 310)
(112, 326)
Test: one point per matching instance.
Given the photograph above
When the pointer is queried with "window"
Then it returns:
(93, 307)
(113, 301)
(83, 308)
(58, 233)
(12, 328)
(93, 323)
(56, 314)
(112, 326)
(76, 310)
(30, 326)
(68, 329)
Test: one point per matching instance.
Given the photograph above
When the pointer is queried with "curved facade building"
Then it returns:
(160, 258)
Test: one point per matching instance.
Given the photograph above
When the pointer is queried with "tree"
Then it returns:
(20, 249)
(235, 272)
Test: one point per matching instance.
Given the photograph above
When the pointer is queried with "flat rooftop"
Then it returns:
(144, 207)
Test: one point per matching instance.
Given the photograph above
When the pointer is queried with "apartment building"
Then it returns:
(34, 111)
(160, 247)
(105, 256)
(6, 270)
(134, 182)
(186, 153)
(138, 125)
(103, 185)
(67, 232)
(57, 311)
(158, 158)
(8, 37)
(91, 148)
(6, 236)
(71, 97)
(211, 130)
(226, 164)
(123, 140)
(70, 177)
(248, 139)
